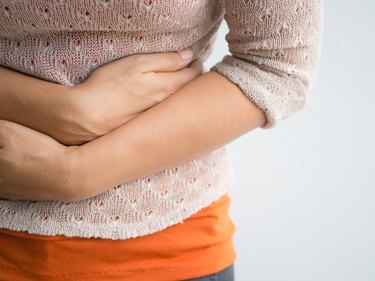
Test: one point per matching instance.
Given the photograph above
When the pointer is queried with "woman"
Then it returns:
(123, 137)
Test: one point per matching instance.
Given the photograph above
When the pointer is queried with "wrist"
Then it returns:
(87, 118)
(73, 105)
(60, 102)
(79, 121)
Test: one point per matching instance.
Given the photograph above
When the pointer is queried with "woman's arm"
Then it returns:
(203, 115)
(115, 93)
(275, 52)
(206, 114)
(44, 106)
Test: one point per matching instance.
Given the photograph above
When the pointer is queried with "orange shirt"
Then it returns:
(199, 246)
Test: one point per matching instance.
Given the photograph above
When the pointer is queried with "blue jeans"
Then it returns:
(226, 274)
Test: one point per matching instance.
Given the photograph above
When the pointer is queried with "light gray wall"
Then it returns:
(304, 199)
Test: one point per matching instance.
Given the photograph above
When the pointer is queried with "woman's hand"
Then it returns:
(112, 95)
(35, 166)
(32, 165)
(121, 90)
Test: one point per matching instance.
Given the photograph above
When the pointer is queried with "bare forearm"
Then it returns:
(202, 116)
(33, 102)
(113, 94)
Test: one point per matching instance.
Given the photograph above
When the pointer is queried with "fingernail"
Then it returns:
(186, 54)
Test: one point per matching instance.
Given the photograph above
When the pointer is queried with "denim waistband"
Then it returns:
(226, 274)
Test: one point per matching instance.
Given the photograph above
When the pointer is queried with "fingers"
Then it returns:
(162, 62)
(181, 77)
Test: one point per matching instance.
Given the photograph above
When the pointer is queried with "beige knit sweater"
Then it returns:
(274, 48)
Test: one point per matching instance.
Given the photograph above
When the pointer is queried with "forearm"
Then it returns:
(33, 102)
(200, 117)
(112, 95)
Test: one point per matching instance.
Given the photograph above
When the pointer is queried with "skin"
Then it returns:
(114, 93)
(201, 116)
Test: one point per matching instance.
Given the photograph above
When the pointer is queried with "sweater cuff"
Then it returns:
(278, 96)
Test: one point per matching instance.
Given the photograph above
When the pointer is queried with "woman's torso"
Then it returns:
(63, 41)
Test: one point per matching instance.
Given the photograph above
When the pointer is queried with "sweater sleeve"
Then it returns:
(275, 47)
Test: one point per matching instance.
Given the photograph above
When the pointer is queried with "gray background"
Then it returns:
(304, 197)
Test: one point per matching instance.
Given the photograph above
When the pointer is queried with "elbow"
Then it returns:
(285, 101)
(279, 93)
(297, 95)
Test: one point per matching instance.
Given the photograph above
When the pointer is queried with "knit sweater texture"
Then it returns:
(274, 52)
